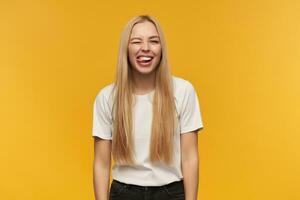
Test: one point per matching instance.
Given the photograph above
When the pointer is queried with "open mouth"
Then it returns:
(144, 60)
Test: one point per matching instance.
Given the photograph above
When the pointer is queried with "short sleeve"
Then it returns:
(190, 115)
(102, 120)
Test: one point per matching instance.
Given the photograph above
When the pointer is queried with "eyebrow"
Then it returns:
(151, 37)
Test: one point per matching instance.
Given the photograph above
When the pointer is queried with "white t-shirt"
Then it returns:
(144, 173)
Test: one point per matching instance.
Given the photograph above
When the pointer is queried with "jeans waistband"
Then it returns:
(139, 187)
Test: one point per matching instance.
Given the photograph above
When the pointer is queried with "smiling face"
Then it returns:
(144, 48)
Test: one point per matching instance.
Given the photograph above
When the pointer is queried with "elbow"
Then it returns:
(192, 158)
(192, 161)
(102, 164)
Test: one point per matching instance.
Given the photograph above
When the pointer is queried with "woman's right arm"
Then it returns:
(101, 171)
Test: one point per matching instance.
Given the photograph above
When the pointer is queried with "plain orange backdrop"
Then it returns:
(241, 56)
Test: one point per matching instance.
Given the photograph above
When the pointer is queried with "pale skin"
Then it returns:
(144, 40)
(190, 164)
(101, 170)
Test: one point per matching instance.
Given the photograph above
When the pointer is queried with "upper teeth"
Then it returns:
(145, 58)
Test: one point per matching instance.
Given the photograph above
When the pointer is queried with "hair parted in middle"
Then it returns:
(164, 120)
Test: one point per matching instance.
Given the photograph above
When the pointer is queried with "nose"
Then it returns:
(145, 46)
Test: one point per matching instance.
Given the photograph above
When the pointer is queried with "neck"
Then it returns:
(143, 83)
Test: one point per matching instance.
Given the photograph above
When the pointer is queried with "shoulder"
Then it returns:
(105, 93)
(182, 86)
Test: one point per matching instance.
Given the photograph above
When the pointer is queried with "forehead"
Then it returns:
(144, 29)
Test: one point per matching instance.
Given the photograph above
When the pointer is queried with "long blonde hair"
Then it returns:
(164, 121)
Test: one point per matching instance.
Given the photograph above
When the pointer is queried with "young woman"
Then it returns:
(148, 121)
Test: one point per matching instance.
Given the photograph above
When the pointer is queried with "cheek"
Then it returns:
(132, 52)
(133, 48)
(157, 50)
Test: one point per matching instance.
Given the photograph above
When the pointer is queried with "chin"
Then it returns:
(144, 71)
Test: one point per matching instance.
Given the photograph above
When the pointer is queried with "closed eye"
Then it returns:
(153, 41)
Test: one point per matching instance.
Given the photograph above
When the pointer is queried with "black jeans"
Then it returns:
(123, 191)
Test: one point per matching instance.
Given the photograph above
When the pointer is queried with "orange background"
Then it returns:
(241, 56)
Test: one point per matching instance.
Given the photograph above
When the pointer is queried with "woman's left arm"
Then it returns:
(190, 164)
